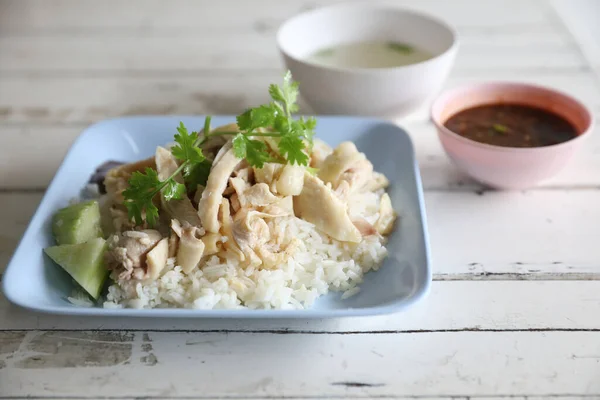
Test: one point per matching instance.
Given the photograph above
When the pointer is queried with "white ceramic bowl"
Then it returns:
(381, 92)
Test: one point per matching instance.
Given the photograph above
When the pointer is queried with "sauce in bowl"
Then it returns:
(511, 125)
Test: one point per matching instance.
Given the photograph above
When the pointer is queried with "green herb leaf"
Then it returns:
(292, 148)
(198, 175)
(287, 94)
(259, 117)
(138, 196)
(254, 151)
(275, 120)
(401, 47)
(500, 128)
(186, 149)
(173, 190)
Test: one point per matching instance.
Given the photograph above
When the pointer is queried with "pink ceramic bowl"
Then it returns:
(508, 167)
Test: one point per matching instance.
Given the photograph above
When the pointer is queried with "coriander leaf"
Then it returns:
(138, 196)
(401, 48)
(276, 93)
(254, 151)
(239, 146)
(142, 184)
(500, 128)
(292, 148)
(282, 124)
(259, 117)
(310, 123)
(309, 129)
(173, 190)
(244, 120)
(198, 175)
(286, 94)
(186, 150)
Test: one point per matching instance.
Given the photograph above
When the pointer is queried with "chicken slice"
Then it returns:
(252, 234)
(346, 163)
(246, 173)
(364, 227)
(320, 151)
(377, 181)
(198, 193)
(290, 180)
(127, 253)
(268, 173)
(239, 186)
(210, 243)
(282, 207)
(387, 216)
(227, 229)
(156, 259)
(191, 246)
(318, 205)
(208, 206)
(258, 195)
(183, 209)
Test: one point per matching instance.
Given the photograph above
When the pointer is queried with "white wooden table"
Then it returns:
(514, 310)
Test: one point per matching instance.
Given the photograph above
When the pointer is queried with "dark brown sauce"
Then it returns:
(511, 125)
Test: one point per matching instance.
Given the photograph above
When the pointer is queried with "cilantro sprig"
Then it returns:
(293, 138)
(143, 187)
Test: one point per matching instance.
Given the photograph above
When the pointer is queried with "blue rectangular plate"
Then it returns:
(34, 282)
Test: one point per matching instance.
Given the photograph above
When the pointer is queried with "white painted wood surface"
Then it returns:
(514, 310)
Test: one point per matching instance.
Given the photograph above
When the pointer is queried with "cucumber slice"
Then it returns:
(77, 223)
(84, 262)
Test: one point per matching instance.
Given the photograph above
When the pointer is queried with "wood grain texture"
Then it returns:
(473, 235)
(26, 121)
(450, 307)
(40, 16)
(246, 51)
(512, 313)
(257, 364)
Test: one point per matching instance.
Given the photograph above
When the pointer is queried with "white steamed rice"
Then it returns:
(320, 264)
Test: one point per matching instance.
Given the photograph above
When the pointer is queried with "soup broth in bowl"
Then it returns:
(370, 55)
(367, 59)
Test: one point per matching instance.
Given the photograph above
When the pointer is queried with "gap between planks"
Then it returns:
(350, 384)
(310, 332)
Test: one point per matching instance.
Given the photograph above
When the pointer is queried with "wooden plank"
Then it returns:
(15, 212)
(533, 233)
(554, 397)
(473, 236)
(19, 142)
(580, 19)
(73, 16)
(85, 99)
(245, 51)
(213, 365)
(216, 94)
(451, 306)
